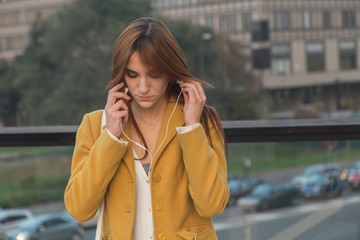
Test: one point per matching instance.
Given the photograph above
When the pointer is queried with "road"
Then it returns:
(316, 220)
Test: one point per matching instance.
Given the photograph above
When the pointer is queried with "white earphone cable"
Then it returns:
(166, 133)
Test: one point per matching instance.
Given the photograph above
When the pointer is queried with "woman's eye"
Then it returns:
(155, 74)
(131, 74)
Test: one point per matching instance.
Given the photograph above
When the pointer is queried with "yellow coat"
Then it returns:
(188, 180)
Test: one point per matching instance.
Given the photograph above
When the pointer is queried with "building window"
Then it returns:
(326, 17)
(227, 24)
(307, 19)
(349, 19)
(282, 21)
(315, 57)
(280, 59)
(347, 50)
(209, 21)
(2, 44)
(246, 22)
(246, 52)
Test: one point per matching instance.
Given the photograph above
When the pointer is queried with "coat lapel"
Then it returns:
(128, 158)
(177, 120)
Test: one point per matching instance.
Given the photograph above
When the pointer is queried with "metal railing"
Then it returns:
(235, 131)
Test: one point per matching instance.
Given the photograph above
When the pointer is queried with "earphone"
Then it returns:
(166, 132)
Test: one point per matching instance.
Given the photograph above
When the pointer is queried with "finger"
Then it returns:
(114, 96)
(113, 110)
(191, 93)
(194, 85)
(201, 91)
(120, 95)
(120, 115)
(119, 106)
(113, 90)
(117, 87)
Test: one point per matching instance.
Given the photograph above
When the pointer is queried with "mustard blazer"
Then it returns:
(188, 180)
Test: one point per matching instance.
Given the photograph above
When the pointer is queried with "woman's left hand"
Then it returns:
(194, 101)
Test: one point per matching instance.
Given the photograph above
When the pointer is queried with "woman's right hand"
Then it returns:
(116, 110)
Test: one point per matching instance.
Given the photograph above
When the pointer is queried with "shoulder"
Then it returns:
(91, 123)
(94, 116)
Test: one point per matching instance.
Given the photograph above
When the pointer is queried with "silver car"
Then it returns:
(11, 218)
(59, 226)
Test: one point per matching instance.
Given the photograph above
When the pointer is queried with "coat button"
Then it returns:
(161, 236)
(159, 206)
(157, 178)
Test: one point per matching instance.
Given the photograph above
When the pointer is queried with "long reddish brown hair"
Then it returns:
(157, 47)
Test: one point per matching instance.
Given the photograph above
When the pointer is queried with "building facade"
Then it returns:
(314, 46)
(16, 20)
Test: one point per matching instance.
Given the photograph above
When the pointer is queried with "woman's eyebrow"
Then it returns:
(129, 70)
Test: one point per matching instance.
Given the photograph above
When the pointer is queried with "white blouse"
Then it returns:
(143, 225)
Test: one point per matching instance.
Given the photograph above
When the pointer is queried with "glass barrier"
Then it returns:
(278, 190)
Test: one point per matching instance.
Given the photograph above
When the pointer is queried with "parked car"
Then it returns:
(232, 175)
(92, 222)
(58, 226)
(353, 175)
(10, 218)
(268, 196)
(323, 186)
(301, 179)
(242, 187)
(354, 179)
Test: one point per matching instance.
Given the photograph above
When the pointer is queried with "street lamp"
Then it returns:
(203, 37)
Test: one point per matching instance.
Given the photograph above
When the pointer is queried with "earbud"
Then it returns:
(126, 90)
(179, 82)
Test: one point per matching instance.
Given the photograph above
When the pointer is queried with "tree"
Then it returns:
(64, 70)
(9, 97)
(236, 93)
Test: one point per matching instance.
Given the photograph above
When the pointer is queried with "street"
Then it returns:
(328, 219)
(316, 220)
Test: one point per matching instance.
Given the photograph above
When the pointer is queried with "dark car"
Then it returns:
(268, 196)
(323, 186)
(242, 187)
(59, 226)
(301, 179)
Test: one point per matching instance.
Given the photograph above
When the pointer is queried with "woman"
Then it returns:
(156, 153)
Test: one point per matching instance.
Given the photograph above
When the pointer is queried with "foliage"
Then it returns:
(235, 93)
(9, 96)
(33, 190)
(64, 70)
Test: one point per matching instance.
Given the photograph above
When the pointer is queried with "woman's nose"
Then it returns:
(144, 85)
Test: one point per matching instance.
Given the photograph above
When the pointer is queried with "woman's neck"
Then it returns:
(149, 114)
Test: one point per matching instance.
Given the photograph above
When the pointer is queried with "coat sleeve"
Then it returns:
(206, 169)
(95, 160)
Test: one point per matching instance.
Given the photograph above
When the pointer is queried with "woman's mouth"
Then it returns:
(144, 98)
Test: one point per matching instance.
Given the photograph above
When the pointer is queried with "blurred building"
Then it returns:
(16, 20)
(314, 45)
(314, 48)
